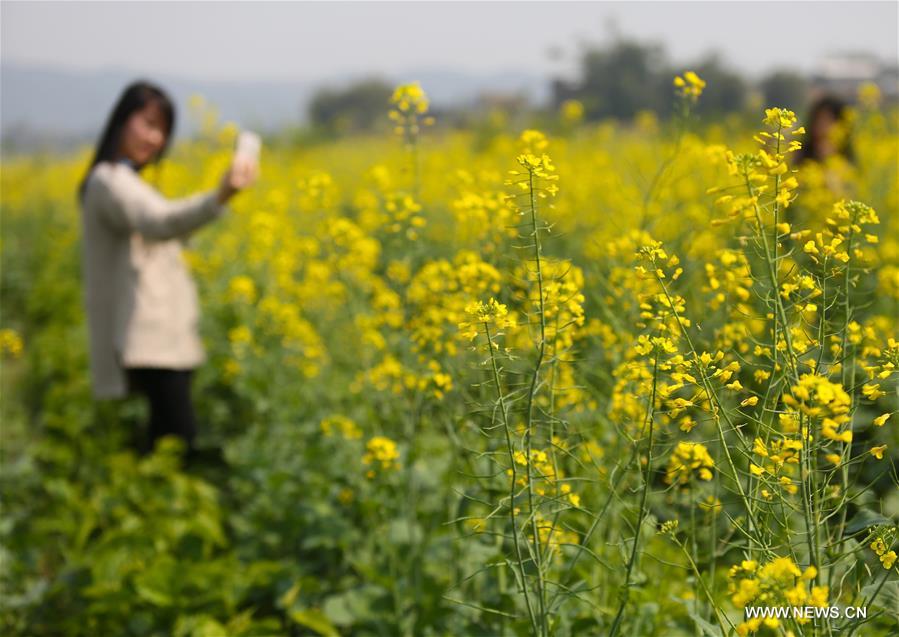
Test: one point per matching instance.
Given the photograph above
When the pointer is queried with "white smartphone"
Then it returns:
(248, 145)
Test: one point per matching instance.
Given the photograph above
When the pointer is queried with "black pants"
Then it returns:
(171, 408)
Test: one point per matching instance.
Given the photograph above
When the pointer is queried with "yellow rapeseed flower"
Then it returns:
(10, 343)
(689, 458)
(382, 451)
(689, 85)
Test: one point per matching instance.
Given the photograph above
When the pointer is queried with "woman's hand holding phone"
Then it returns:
(244, 166)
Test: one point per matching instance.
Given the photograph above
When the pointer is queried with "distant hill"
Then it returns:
(42, 106)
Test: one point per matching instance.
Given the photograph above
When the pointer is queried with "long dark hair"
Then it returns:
(135, 97)
(838, 109)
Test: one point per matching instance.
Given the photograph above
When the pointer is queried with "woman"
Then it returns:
(828, 131)
(140, 300)
(826, 160)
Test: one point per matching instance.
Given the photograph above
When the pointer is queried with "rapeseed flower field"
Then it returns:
(591, 379)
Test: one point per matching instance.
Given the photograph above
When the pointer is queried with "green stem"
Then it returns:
(511, 449)
(847, 449)
(719, 408)
(718, 614)
(529, 413)
(625, 594)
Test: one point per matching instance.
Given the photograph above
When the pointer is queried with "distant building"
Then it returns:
(843, 73)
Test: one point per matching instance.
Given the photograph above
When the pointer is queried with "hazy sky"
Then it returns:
(279, 40)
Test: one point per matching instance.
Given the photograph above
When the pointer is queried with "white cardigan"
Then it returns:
(140, 299)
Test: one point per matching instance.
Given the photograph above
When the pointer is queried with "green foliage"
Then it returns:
(625, 77)
(619, 80)
(785, 87)
(355, 108)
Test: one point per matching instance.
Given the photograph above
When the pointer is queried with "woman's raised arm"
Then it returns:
(129, 204)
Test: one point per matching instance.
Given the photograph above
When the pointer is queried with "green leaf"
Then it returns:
(707, 628)
(157, 583)
(401, 531)
(338, 610)
(863, 519)
(887, 598)
(316, 620)
(198, 626)
(289, 596)
(357, 605)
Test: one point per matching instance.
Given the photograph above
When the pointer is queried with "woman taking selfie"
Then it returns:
(140, 299)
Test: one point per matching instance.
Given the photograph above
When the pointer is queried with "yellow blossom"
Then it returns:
(881, 420)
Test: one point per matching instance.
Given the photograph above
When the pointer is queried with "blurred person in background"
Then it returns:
(826, 161)
(827, 131)
(140, 299)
